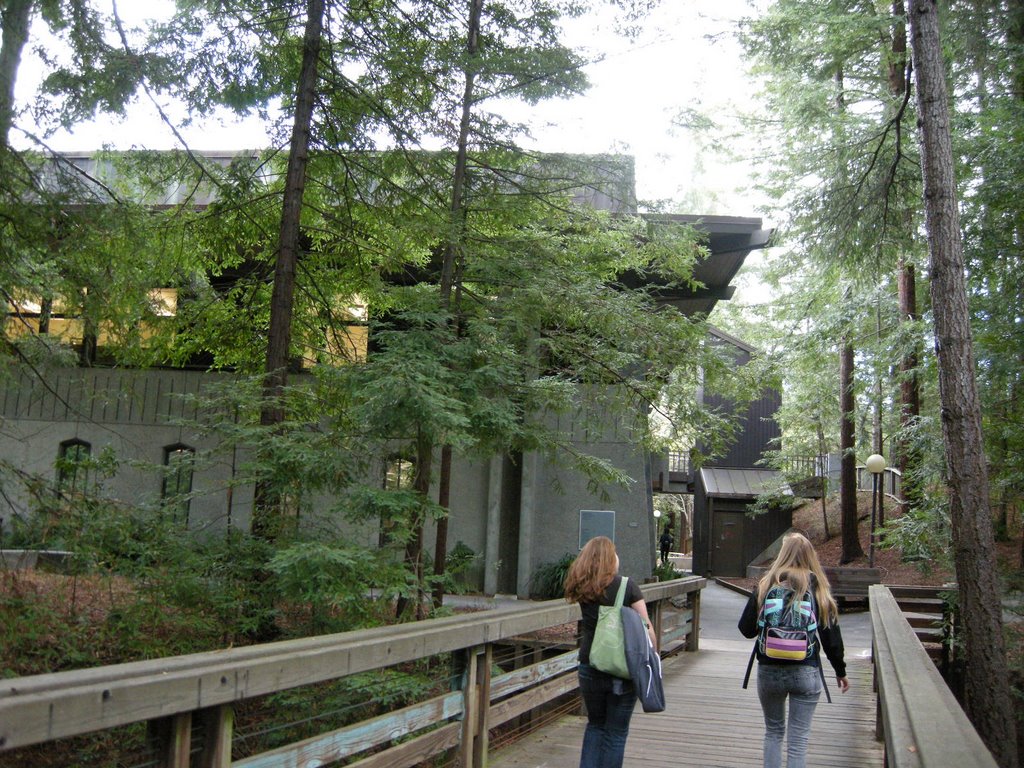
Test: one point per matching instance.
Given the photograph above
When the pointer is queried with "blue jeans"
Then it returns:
(609, 702)
(802, 684)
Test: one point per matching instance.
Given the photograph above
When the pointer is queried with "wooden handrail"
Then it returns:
(920, 720)
(170, 694)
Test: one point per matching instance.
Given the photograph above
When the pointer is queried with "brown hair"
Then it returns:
(795, 563)
(592, 571)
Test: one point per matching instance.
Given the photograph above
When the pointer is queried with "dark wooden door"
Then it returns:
(727, 544)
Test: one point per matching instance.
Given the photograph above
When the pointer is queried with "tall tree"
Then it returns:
(987, 695)
(845, 178)
(848, 462)
(266, 512)
(907, 458)
(450, 266)
(15, 16)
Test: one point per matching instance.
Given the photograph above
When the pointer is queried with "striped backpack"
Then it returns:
(787, 630)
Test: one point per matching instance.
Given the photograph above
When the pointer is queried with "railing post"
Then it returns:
(218, 725)
(170, 739)
(476, 706)
(656, 622)
(693, 638)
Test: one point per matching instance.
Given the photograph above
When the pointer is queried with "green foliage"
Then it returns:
(457, 564)
(923, 534)
(544, 323)
(548, 581)
(666, 572)
(773, 499)
(334, 581)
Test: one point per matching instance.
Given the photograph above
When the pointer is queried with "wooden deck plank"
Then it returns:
(711, 722)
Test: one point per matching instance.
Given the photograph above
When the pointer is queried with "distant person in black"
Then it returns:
(666, 542)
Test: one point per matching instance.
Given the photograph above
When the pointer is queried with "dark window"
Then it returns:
(179, 462)
(73, 466)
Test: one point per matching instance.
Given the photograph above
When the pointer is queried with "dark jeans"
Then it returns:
(609, 703)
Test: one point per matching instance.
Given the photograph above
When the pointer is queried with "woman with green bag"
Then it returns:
(593, 582)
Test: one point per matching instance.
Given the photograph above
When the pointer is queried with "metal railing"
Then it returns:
(188, 702)
(891, 480)
(679, 461)
(804, 466)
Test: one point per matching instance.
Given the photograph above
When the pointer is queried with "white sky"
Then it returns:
(684, 58)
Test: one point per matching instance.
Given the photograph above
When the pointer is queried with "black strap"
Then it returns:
(824, 685)
(750, 664)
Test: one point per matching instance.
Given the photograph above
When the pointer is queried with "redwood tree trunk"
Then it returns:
(16, 17)
(414, 544)
(907, 458)
(986, 689)
(266, 516)
(450, 269)
(848, 465)
(441, 541)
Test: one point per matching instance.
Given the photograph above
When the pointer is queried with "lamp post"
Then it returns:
(875, 464)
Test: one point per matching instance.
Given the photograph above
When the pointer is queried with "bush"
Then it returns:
(548, 582)
(665, 572)
(333, 582)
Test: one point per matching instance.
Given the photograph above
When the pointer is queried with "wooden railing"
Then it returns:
(188, 702)
(920, 720)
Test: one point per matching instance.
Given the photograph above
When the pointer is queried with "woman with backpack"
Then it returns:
(794, 616)
(593, 581)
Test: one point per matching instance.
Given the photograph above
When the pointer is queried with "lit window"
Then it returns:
(398, 474)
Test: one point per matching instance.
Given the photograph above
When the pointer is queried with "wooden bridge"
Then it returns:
(712, 721)
(490, 679)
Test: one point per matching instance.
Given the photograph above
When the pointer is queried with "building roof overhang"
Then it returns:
(737, 483)
(729, 240)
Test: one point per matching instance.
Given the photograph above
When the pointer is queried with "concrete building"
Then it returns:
(516, 512)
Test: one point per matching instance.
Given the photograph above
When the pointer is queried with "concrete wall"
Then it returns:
(515, 513)
(134, 414)
(554, 494)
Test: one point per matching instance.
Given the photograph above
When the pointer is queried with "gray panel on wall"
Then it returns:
(596, 522)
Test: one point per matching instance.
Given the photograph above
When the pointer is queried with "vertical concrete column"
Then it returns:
(492, 543)
(527, 512)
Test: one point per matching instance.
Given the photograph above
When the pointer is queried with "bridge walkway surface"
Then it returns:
(710, 720)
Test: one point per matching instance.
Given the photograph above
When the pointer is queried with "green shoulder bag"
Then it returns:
(608, 651)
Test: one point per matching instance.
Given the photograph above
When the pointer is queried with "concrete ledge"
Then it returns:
(734, 587)
(48, 560)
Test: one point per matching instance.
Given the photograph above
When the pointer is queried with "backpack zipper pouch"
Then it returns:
(787, 644)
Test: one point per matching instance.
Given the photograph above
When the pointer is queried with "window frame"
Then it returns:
(176, 499)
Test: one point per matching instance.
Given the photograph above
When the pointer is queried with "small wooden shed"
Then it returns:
(726, 537)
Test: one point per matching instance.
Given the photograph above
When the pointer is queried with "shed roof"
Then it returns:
(735, 483)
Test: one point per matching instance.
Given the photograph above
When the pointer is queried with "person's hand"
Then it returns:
(843, 683)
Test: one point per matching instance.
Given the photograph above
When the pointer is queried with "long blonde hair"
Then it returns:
(592, 571)
(793, 566)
